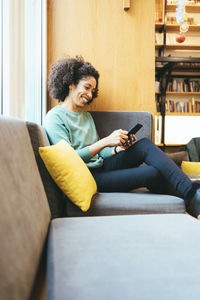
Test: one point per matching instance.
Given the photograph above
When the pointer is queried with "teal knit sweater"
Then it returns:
(77, 129)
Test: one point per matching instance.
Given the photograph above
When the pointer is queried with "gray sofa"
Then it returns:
(135, 202)
(135, 254)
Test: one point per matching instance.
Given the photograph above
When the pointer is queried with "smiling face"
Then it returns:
(81, 93)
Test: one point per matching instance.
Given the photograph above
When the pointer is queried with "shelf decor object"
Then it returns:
(126, 4)
(180, 11)
(180, 38)
(181, 18)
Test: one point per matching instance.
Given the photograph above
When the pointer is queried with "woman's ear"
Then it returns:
(72, 86)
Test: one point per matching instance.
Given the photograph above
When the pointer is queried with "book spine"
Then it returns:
(158, 129)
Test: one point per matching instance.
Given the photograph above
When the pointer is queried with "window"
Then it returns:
(23, 59)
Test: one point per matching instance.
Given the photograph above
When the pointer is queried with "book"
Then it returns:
(158, 129)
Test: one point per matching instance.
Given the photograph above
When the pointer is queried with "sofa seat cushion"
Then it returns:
(107, 204)
(124, 257)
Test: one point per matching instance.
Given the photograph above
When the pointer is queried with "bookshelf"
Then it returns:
(178, 81)
(190, 8)
(166, 26)
(177, 70)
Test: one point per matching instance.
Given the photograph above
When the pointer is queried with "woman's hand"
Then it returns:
(126, 145)
(117, 138)
(130, 141)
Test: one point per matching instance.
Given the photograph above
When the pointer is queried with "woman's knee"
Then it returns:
(145, 141)
(151, 173)
(143, 144)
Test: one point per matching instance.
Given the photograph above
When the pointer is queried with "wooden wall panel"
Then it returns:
(120, 44)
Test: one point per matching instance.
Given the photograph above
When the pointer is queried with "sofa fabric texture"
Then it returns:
(193, 149)
(25, 213)
(124, 257)
(56, 197)
(108, 204)
(108, 121)
(178, 157)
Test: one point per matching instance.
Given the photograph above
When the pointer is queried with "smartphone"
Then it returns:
(134, 129)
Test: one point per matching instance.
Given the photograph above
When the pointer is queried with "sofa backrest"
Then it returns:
(55, 196)
(24, 210)
(108, 121)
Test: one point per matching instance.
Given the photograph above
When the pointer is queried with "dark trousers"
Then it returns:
(126, 171)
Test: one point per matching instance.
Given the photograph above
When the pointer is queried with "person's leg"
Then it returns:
(124, 180)
(145, 151)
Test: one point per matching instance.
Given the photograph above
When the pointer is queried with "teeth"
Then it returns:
(84, 99)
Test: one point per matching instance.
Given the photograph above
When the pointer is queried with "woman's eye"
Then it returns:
(87, 87)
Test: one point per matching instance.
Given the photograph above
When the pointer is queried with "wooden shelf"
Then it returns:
(159, 45)
(190, 8)
(182, 114)
(159, 25)
(178, 114)
(176, 27)
(170, 145)
(173, 59)
(183, 93)
(183, 46)
(174, 145)
(178, 46)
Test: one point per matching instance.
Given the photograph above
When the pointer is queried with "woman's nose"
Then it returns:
(89, 94)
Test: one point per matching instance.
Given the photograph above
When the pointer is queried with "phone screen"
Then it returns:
(135, 129)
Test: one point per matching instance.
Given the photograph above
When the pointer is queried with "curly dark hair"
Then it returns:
(69, 71)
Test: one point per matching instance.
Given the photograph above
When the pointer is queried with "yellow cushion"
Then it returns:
(70, 173)
(190, 167)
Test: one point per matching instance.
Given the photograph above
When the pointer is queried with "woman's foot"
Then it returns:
(193, 205)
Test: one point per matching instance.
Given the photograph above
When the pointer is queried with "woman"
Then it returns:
(115, 161)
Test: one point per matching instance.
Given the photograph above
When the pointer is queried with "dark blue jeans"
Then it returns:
(125, 171)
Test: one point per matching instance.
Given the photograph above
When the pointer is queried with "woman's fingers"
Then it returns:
(120, 138)
(132, 138)
(124, 135)
(130, 141)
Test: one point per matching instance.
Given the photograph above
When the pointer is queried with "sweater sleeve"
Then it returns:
(57, 131)
(106, 152)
